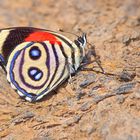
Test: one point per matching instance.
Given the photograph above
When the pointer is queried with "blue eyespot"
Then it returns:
(34, 53)
(35, 73)
(38, 76)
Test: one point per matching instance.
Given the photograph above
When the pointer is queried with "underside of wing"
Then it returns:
(36, 60)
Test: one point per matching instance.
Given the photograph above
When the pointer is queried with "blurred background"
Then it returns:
(94, 106)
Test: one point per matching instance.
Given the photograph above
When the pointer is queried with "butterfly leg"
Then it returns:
(88, 61)
(70, 71)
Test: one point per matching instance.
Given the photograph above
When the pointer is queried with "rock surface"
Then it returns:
(92, 106)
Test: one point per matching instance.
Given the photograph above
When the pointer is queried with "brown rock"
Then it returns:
(94, 106)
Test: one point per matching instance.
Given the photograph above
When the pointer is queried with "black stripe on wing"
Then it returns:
(15, 37)
(72, 49)
(60, 78)
(57, 64)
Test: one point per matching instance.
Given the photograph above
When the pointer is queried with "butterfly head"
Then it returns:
(81, 44)
(81, 41)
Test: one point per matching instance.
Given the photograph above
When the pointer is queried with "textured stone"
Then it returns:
(94, 105)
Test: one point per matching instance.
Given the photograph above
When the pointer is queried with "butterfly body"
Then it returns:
(37, 60)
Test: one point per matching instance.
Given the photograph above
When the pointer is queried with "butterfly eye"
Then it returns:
(76, 42)
(80, 39)
(35, 53)
(35, 73)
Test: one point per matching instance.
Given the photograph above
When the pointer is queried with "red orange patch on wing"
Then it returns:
(42, 36)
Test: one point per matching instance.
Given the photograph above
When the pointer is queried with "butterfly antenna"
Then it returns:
(61, 30)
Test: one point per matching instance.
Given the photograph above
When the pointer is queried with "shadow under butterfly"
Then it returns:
(37, 61)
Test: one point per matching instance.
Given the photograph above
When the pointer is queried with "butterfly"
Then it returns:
(37, 61)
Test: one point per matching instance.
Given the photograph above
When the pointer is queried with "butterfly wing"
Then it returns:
(35, 61)
(34, 69)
